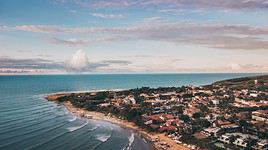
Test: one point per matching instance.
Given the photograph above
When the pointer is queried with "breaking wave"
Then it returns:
(103, 137)
(71, 129)
(94, 128)
(131, 139)
(144, 140)
(72, 119)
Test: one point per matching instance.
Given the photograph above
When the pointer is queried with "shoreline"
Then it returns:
(163, 135)
(158, 140)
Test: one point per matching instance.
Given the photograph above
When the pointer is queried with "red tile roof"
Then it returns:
(153, 126)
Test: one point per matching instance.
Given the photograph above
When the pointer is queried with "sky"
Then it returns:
(133, 36)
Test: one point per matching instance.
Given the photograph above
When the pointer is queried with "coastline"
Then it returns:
(109, 103)
(157, 139)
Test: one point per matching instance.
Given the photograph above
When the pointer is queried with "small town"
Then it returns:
(230, 114)
(133, 74)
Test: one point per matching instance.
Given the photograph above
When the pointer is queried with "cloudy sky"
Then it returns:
(133, 36)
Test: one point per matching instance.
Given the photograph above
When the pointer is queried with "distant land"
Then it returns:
(230, 114)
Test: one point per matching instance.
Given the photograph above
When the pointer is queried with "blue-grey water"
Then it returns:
(28, 121)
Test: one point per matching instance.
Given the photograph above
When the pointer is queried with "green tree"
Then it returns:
(185, 118)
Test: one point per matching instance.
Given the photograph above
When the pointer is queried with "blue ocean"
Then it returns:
(28, 121)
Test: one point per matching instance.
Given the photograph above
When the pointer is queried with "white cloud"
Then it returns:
(189, 27)
(235, 67)
(207, 4)
(213, 35)
(73, 11)
(4, 28)
(76, 42)
(79, 61)
(72, 41)
(107, 16)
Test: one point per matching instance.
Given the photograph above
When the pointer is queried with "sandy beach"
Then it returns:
(159, 140)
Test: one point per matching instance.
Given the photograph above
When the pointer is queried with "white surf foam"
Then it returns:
(94, 128)
(131, 139)
(71, 129)
(72, 119)
(144, 140)
(103, 137)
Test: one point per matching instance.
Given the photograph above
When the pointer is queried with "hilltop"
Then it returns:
(244, 82)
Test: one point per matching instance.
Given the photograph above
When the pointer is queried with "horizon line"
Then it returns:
(129, 73)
